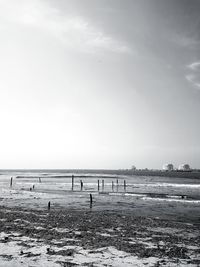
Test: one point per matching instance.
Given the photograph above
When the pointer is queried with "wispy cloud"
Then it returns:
(195, 66)
(73, 31)
(194, 76)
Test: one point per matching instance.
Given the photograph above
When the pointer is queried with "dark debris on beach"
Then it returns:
(96, 229)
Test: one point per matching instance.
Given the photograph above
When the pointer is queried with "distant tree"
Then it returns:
(133, 168)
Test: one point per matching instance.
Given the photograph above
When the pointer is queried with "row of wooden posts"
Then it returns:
(31, 188)
(98, 184)
(81, 185)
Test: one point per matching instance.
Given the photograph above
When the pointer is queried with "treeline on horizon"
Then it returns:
(138, 172)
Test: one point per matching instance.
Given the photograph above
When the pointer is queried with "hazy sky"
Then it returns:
(99, 83)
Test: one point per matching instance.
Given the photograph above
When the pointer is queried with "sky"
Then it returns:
(99, 83)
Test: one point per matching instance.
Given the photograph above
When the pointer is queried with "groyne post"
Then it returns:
(117, 185)
(102, 185)
(91, 200)
(98, 185)
(11, 181)
(49, 205)
(112, 186)
(124, 185)
(72, 182)
(81, 185)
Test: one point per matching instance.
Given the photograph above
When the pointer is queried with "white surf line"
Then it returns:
(155, 196)
(171, 200)
(166, 185)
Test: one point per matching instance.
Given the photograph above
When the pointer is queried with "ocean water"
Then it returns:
(168, 197)
(62, 180)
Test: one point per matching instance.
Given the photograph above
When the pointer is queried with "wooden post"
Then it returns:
(72, 182)
(49, 205)
(124, 185)
(117, 185)
(40, 180)
(81, 185)
(11, 181)
(112, 186)
(90, 200)
(33, 186)
(98, 185)
(102, 185)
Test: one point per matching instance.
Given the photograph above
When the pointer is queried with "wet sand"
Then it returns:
(69, 238)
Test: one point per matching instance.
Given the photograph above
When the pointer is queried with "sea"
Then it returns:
(174, 198)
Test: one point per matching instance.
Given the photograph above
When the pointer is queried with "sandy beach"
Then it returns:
(119, 229)
(89, 238)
